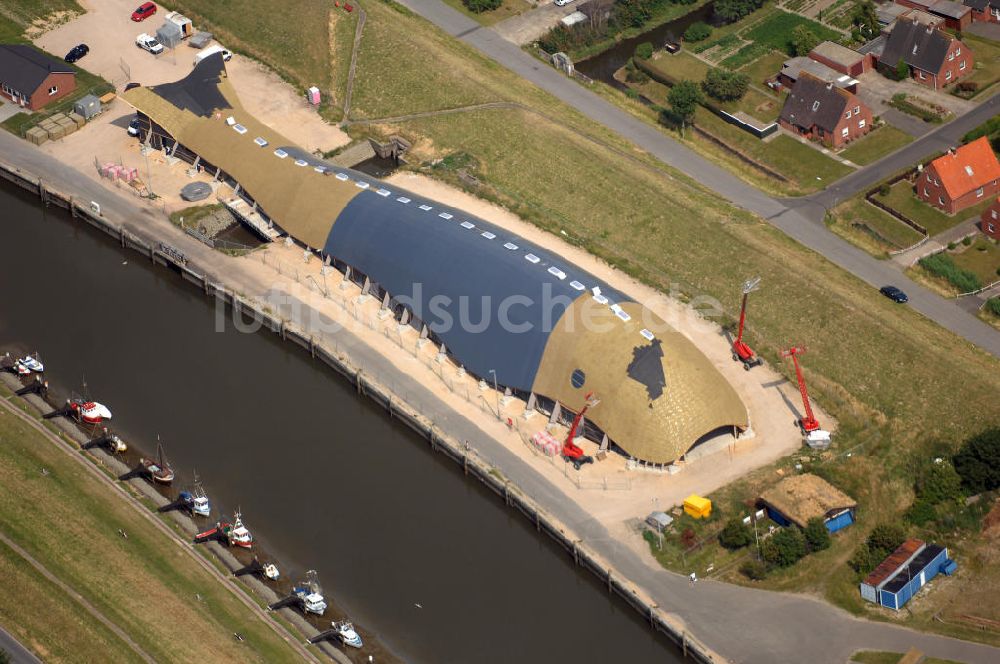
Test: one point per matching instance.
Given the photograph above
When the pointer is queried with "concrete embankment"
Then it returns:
(439, 440)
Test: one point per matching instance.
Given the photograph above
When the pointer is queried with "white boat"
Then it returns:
(89, 412)
(116, 444)
(200, 504)
(240, 535)
(314, 603)
(271, 571)
(311, 594)
(348, 634)
(29, 364)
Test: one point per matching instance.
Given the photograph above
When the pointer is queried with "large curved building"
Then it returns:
(500, 305)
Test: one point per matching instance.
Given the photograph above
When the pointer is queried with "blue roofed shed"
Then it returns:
(799, 498)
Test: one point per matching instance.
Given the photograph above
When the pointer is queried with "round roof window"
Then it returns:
(578, 378)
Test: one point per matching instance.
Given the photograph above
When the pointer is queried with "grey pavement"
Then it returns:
(801, 219)
(18, 653)
(988, 30)
(532, 24)
(903, 121)
(744, 625)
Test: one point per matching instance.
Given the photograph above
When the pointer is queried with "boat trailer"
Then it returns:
(290, 600)
(138, 471)
(254, 568)
(331, 635)
(37, 386)
(65, 411)
(180, 503)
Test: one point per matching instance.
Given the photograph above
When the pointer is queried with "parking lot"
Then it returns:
(110, 33)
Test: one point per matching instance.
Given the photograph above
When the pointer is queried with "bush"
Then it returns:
(943, 266)
(921, 512)
(731, 11)
(785, 547)
(939, 483)
(735, 535)
(978, 462)
(884, 190)
(816, 534)
(684, 99)
(901, 72)
(480, 6)
(688, 538)
(804, 40)
(952, 246)
(754, 570)
(993, 304)
(725, 85)
(883, 540)
(697, 31)
(644, 51)
(967, 241)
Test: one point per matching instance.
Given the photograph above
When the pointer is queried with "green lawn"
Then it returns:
(506, 10)
(982, 258)
(680, 66)
(871, 228)
(726, 36)
(875, 145)
(774, 33)
(72, 511)
(764, 67)
(882, 657)
(987, 67)
(902, 199)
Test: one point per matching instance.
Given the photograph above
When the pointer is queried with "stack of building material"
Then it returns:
(67, 124)
(37, 135)
(78, 120)
(545, 443)
(698, 507)
(52, 127)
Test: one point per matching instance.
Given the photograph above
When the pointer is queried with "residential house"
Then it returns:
(956, 15)
(822, 111)
(842, 59)
(32, 79)
(961, 178)
(984, 11)
(793, 68)
(990, 221)
(934, 57)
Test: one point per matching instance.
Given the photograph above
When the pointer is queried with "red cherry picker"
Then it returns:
(808, 422)
(741, 351)
(571, 451)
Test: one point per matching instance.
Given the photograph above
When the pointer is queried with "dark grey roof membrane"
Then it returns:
(813, 102)
(491, 306)
(647, 368)
(198, 92)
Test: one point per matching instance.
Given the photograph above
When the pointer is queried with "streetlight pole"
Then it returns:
(497, 390)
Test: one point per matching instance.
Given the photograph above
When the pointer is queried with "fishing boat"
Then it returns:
(311, 594)
(199, 503)
(29, 364)
(159, 469)
(238, 534)
(89, 412)
(348, 634)
(271, 571)
(116, 444)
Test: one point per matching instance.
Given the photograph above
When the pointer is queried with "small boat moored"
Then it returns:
(311, 594)
(29, 364)
(200, 504)
(239, 535)
(159, 469)
(89, 412)
(271, 571)
(219, 528)
(348, 634)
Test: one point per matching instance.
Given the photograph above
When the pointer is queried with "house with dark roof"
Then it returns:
(32, 79)
(822, 111)
(934, 57)
(984, 11)
(955, 15)
(962, 178)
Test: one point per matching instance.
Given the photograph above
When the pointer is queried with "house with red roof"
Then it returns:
(990, 220)
(962, 178)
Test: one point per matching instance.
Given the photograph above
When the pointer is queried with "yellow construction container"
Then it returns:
(698, 507)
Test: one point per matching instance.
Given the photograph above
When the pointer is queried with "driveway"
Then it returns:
(877, 88)
(987, 30)
(109, 31)
(529, 26)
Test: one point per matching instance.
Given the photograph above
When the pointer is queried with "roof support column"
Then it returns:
(556, 410)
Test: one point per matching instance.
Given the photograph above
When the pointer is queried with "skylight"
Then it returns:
(239, 129)
(556, 272)
(577, 285)
(383, 192)
(360, 184)
(647, 334)
(968, 171)
(510, 245)
(319, 169)
(342, 177)
(260, 141)
(624, 316)
(280, 154)
(301, 162)
(445, 215)
(426, 207)
(488, 235)
(531, 258)
(815, 105)
(600, 298)
(403, 199)
(468, 224)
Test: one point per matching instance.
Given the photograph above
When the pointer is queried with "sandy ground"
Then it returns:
(107, 28)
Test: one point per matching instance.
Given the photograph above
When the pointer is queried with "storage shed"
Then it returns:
(659, 521)
(169, 34)
(698, 507)
(182, 22)
(799, 498)
(201, 40)
(900, 576)
(87, 106)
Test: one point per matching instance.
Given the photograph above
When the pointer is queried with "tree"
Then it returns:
(735, 535)
(480, 6)
(725, 85)
(684, 99)
(939, 483)
(697, 31)
(816, 534)
(731, 11)
(754, 570)
(644, 51)
(804, 40)
(978, 462)
(785, 547)
(902, 70)
(886, 537)
(865, 18)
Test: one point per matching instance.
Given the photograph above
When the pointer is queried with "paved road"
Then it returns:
(740, 623)
(18, 653)
(801, 219)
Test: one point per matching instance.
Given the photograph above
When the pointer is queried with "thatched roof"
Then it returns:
(802, 497)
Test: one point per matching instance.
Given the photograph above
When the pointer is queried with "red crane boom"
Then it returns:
(808, 422)
(570, 450)
(741, 351)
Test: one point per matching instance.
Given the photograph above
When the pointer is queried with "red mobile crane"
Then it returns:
(741, 351)
(808, 422)
(571, 451)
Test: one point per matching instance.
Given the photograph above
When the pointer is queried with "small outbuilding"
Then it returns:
(200, 40)
(87, 106)
(698, 507)
(900, 576)
(797, 499)
(659, 521)
(169, 34)
(182, 22)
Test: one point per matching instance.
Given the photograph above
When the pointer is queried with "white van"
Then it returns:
(227, 55)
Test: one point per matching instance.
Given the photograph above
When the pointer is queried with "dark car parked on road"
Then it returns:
(894, 294)
(77, 52)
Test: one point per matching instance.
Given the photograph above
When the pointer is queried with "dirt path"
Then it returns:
(354, 62)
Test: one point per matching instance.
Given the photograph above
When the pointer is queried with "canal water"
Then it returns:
(602, 67)
(412, 549)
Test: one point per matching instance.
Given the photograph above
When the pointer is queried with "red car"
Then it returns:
(144, 11)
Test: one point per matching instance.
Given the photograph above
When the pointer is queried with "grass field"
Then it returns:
(764, 67)
(508, 9)
(875, 145)
(882, 657)
(902, 199)
(987, 67)
(144, 584)
(871, 228)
